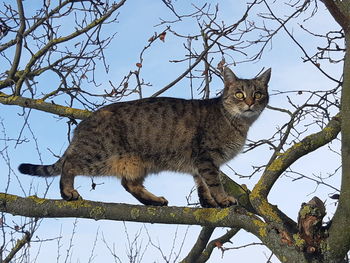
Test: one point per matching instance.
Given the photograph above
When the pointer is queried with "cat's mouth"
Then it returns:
(249, 113)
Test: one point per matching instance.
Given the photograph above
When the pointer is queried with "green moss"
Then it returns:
(305, 210)
(211, 215)
(187, 210)
(299, 242)
(73, 204)
(37, 200)
(259, 187)
(73, 111)
(97, 212)
(135, 213)
(262, 227)
(8, 197)
(152, 211)
(262, 232)
(8, 99)
(276, 165)
(269, 211)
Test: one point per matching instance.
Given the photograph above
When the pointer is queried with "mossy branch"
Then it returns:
(43, 106)
(234, 217)
(33, 206)
(258, 197)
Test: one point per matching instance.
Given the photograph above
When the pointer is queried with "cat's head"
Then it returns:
(245, 98)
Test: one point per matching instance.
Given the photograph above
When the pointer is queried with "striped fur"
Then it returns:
(133, 139)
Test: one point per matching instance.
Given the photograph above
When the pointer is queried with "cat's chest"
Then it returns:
(224, 142)
(232, 146)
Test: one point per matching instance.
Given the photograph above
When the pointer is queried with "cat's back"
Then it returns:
(162, 123)
(164, 111)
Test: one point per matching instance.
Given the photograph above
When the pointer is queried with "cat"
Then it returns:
(133, 139)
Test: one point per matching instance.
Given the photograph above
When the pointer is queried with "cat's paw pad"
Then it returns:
(71, 195)
(228, 201)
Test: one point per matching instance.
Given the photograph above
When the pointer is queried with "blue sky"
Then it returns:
(135, 26)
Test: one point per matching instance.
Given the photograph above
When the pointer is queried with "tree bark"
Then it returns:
(338, 243)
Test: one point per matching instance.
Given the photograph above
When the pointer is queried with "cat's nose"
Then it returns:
(249, 101)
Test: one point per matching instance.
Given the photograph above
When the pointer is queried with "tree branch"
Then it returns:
(339, 241)
(338, 10)
(200, 245)
(233, 217)
(43, 106)
(59, 40)
(272, 172)
(19, 244)
(33, 206)
(214, 243)
(19, 40)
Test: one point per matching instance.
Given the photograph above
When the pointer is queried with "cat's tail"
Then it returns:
(41, 170)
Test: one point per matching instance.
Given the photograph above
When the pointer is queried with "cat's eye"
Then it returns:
(239, 95)
(258, 95)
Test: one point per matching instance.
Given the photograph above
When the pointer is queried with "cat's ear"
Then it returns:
(229, 76)
(265, 77)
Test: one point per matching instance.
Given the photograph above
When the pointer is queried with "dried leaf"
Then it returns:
(221, 65)
(162, 36)
(151, 39)
(139, 65)
(218, 244)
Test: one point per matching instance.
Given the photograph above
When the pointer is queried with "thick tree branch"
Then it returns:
(340, 12)
(234, 217)
(272, 172)
(339, 233)
(46, 208)
(200, 245)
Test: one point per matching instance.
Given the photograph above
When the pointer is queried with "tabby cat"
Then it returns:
(133, 139)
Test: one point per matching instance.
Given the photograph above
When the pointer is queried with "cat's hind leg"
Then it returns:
(132, 171)
(136, 188)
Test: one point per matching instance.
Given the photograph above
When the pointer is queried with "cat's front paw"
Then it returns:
(163, 201)
(227, 201)
(207, 202)
(158, 201)
(71, 195)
